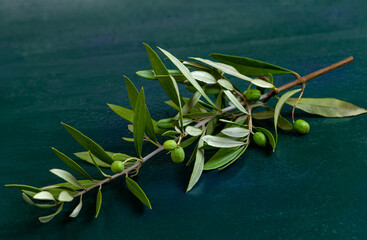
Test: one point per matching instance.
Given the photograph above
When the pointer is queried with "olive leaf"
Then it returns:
(139, 122)
(279, 106)
(23, 187)
(269, 113)
(222, 157)
(150, 74)
(221, 142)
(96, 165)
(193, 131)
(162, 74)
(44, 195)
(234, 101)
(46, 219)
(250, 67)
(89, 144)
(236, 132)
(177, 92)
(86, 157)
(203, 76)
(198, 166)
(187, 74)
(190, 104)
(327, 107)
(98, 201)
(64, 196)
(232, 71)
(133, 94)
(137, 191)
(188, 142)
(77, 209)
(73, 165)
(29, 201)
(226, 84)
(236, 158)
(67, 177)
(125, 113)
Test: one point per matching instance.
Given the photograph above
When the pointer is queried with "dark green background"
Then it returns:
(64, 60)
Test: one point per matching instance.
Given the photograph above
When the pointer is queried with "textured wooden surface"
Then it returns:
(64, 60)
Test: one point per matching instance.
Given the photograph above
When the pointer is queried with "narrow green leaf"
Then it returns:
(327, 107)
(29, 201)
(98, 201)
(77, 209)
(221, 142)
(225, 84)
(44, 195)
(23, 187)
(85, 157)
(89, 144)
(64, 196)
(282, 122)
(46, 219)
(73, 165)
(198, 166)
(189, 105)
(178, 101)
(197, 66)
(261, 83)
(133, 94)
(162, 74)
(234, 101)
(268, 135)
(279, 106)
(125, 113)
(222, 157)
(170, 133)
(67, 177)
(193, 131)
(224, 68)
(188, 142)
(236, 158)
(139, 122)
(203, 76)
(234, 123)
(186, 72)
(236, 132)
(150, 74)
(250, 67)
(96, 165)
(137, 191)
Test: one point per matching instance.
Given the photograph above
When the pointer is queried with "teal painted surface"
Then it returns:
(63, 60)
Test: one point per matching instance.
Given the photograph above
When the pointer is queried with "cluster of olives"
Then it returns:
(177, 152)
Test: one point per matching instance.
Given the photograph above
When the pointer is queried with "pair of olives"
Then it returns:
(177, 152)
(301, 126)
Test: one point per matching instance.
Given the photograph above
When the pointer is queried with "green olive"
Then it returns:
(253, 94)
(170, 145)
(178, 155)
(301, 126)
(260, 139)
(165, 123)
(117, 166)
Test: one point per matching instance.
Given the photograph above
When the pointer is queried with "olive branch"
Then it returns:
(223, 123)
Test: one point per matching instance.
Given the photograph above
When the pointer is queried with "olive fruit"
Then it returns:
(170, 145)
(165, 123)
(117, 166)
(178, 155)
(301, 126)
(253, 94)
(260, 139)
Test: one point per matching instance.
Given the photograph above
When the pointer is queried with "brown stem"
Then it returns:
(304, 79)
(264, 97)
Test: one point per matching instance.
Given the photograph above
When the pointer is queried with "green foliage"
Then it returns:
(220, 126)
